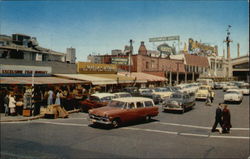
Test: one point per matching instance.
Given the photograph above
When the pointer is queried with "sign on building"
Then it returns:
(197, 47)
(87, 67)
(165, 49)
(166, 38)
(120, 60)
(14, 70)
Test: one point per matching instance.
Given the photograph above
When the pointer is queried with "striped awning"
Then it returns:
(144, 76)
(37, 80)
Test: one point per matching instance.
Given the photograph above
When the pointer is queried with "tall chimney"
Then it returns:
(224, 53)
(238, 50)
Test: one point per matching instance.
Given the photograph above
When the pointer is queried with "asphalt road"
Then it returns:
(169, 135)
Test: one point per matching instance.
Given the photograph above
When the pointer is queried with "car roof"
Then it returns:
(121, 93)
(132, 99)
(101, 95)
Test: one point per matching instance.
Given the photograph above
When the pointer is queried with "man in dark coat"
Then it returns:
(226, 120)
(218, 118)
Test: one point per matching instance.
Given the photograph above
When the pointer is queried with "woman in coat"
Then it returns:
(226, 120)
(58, 95)
(12, 104)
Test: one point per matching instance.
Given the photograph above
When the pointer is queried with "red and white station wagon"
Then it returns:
(122, 110)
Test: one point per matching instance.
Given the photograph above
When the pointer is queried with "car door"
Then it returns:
(130, 113)
(140, 110)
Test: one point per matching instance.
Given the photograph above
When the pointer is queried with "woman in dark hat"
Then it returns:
(226, 120)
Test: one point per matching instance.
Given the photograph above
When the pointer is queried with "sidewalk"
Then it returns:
(4, 118)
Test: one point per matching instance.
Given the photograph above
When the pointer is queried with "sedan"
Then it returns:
(179, 101)
(233, 96)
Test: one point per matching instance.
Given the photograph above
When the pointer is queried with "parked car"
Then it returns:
(204, 92)
(134, 91)
(233, 96)
(122, 95)
(209, 82)
(229, 86)
(160, 93)
(96, 100)
(245, 90)
(123, 110)
(218, 85)
(179, 101)
(146, 92)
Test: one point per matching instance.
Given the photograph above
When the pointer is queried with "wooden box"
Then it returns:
(27, 112)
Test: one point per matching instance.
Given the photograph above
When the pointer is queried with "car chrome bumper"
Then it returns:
(100, 121)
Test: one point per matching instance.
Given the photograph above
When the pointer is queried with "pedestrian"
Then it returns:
(6, 104)
(208, 100)
(58, 100)
(226, 119)
(211, 96)
(50, 97)
(12, 104)
(218, 117)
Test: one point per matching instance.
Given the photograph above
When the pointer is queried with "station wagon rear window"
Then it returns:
(148, 103)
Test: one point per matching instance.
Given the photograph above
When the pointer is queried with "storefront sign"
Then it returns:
(13, 70)
(87, 67)
(167, 38)
(39, 57)
(119, 60)
(197, 47)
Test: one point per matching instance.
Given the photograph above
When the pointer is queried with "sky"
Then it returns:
(100, 26)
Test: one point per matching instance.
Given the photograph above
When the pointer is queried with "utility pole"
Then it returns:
(129, 56)
(228, 41)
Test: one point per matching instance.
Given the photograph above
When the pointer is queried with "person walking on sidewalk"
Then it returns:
(218, 118)
(226, 120)
(6, 104)
(58, 96)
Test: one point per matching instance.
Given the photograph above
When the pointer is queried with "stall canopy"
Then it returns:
(144, 76)
(100, 79)
(37, 80)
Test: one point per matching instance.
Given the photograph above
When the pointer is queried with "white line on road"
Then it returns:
(199, 127)
(148, 130)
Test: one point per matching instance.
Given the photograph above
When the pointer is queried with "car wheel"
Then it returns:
(183, 110)
(116, 123)
(148, 118)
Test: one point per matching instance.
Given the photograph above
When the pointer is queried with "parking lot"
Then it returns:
(169, 135)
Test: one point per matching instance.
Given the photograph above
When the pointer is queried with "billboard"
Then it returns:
(87, 67)
(165, 49)
(197, 47)
(120, 60)
(166, 38)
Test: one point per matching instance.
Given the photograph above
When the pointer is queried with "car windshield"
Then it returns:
(178, 96)
(125, 95)
(117, 104)
(203, 88)
(162, 89)
(233, 92)
(107, 98)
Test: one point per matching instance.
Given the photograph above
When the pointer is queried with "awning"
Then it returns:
(37, 80)
(90, 78)
(144, 76)
(102, 79)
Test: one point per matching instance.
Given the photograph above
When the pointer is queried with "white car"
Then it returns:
(233, 96)
(229, 87)
(245, 91)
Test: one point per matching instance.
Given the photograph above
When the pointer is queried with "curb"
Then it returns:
(36, 117)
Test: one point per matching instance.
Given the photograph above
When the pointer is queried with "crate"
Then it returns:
(27, 112)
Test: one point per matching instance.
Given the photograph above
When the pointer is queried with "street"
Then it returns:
(169, 135)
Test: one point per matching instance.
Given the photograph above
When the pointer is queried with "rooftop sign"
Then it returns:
(166, 38)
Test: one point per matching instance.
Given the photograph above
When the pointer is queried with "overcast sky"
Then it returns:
(101, 26)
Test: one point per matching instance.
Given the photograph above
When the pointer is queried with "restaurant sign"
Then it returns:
(23, 70)
(87, 67)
